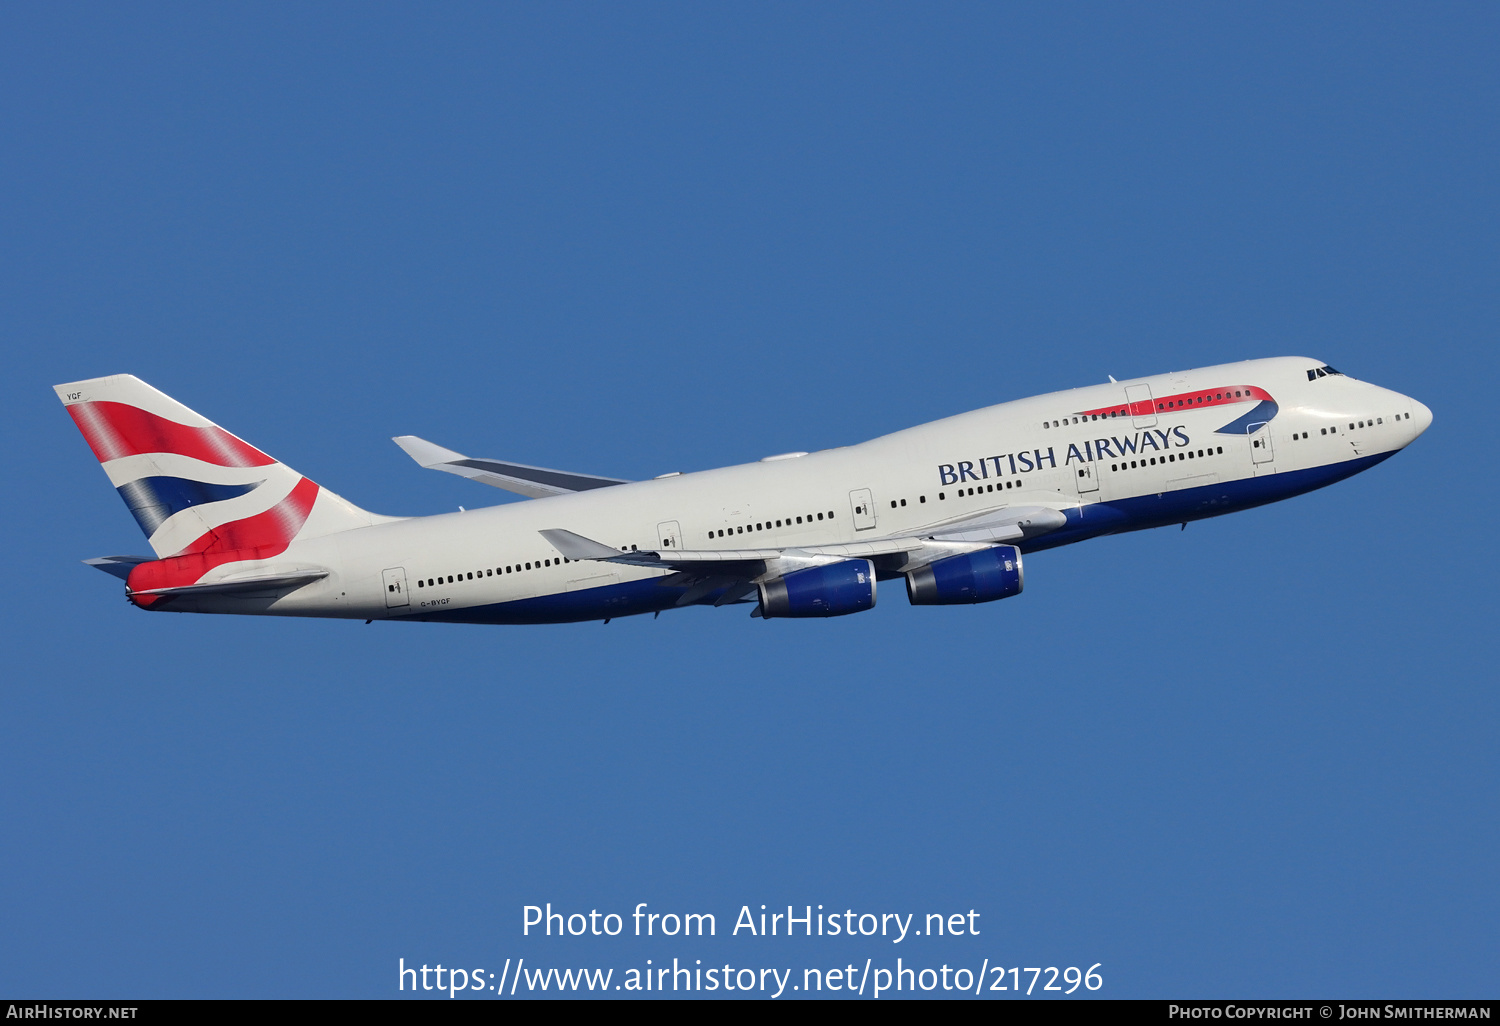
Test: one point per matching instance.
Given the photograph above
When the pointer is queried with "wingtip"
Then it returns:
(427, 454)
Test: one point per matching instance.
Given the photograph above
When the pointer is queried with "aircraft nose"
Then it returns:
(1421, 417)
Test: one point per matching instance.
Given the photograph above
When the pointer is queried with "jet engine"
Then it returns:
(983, 576)
(830, 590)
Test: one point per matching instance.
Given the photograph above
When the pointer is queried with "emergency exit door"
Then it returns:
(669, 535)
(863, 506)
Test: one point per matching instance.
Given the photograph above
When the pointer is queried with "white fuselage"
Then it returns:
(1080, 452)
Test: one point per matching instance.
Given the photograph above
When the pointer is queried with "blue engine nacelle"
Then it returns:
(831, 590)
(982, 576)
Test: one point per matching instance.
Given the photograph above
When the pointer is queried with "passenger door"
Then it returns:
(669, 535)
(1086, 475)
(1142, 406)
(395, 587)
(1260, 442)
(863, 505)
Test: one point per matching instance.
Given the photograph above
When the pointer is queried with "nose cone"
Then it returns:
(1421, 417)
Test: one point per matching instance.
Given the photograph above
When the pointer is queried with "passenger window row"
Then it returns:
(766, 525)
(1173, 457)
(1119, 411)
(499, 571)
(1206, 397)
(1124, 411)
(998, 486)
(1334, 430)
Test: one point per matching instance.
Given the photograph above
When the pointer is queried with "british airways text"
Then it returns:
(1039, 459)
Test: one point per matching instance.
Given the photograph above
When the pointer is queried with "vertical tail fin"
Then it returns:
(194, 488)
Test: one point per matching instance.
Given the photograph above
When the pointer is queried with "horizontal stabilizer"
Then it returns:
(118, 566)
(533, 482)
(262, 582)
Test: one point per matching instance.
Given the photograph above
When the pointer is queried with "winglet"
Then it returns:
(427, 454)
(576, 546)
(533, 482)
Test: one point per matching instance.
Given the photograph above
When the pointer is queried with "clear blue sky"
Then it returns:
(1258, 757)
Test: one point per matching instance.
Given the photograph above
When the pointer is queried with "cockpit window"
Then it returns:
(1320, 372)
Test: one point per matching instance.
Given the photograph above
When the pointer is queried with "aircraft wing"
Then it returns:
(576, 546)
(894, 554)
(532, 482)
(732, 573)
(1006, 524)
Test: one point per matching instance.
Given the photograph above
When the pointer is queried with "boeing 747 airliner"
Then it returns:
(948, 506)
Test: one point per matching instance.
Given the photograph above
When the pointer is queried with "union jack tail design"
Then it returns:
(203, 497)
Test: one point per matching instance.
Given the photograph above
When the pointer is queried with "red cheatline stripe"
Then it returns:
(262, 536)
(115, 430)
(1181, 401)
